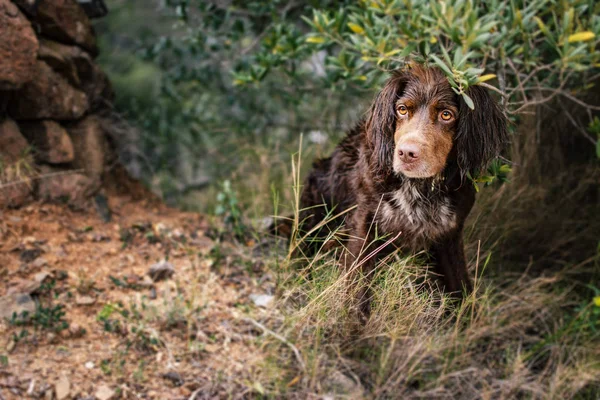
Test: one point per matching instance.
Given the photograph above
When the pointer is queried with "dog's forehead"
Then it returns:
(428, 87)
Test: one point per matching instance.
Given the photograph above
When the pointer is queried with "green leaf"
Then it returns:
(442, 65)
(468, 101)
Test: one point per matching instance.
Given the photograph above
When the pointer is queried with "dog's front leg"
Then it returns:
(451, 265)
(358, 268)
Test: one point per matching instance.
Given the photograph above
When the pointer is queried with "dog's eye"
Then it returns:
(446, 115)
(402, 109)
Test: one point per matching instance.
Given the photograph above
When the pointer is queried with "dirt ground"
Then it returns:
(189, 335)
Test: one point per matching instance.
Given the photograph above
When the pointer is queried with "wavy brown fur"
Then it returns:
(424, 213)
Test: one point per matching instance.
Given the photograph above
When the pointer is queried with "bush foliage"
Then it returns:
(264, 71)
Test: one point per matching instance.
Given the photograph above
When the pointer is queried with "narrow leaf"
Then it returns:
(468, 101)
(486, 77)
(581, 37)
(442, 65)
(356, 28)
(315, 39)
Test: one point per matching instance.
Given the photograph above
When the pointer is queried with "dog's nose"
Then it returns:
(408, 153)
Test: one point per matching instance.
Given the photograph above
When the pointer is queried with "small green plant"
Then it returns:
(50, 318)
(228, 209)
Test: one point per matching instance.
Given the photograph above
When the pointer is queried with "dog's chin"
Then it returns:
(417, 170)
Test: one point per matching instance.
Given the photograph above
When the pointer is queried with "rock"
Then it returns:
(39, 263)
(84, 300)
(48, 96)
(262, 300)
(51, 142)
(18, 47)
(26, 287)
(63, 59)
(66, 22)
(174, 377)
(62, 389)
(105, 393)
(76, 331)
(28, 6)
(89, 365)
(161, 271)
(29, 255)
(15, 194)
(13, 144)
(91, 147)
(79, 69)
(340, 383)
(16, 303)
(56, 185)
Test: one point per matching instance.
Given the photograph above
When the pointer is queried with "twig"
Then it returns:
(493, 88)
(195, 393)
(579, 128)
(280, 338)
(34, 178)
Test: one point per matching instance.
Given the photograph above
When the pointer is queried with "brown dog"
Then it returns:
(405, 169)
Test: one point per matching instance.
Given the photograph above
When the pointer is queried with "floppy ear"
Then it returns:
(482, 132)
(381, 124)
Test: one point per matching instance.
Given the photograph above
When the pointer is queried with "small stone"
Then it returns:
(339, 382)
(85, 300)
(89, 365)
(51, 337)
(41, 276)
(174, 377)
(17, 303)
(11, 346)
(105, 393)
(262, 300)
(29, 287)
(146, 282)
(29, 255)
(39, 263)
(76, 331)
(161, 271)
(61, 274)
(62, 388)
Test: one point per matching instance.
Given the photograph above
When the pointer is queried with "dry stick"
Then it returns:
(474, 294)
(579, 128)
(48, 175)
(195, 393)
(280, 338)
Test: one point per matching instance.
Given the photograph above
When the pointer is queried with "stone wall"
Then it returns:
(55, 104)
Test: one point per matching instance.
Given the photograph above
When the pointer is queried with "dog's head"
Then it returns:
(418, 125)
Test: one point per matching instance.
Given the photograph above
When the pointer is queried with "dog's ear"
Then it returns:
(381, 124)
(482, 132)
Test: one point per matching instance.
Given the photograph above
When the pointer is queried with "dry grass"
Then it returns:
(530, 329)
(20, 171)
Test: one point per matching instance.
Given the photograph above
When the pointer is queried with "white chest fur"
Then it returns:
(419, 217)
